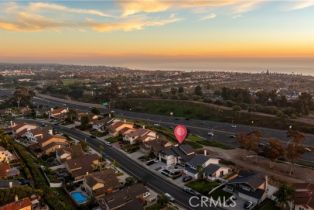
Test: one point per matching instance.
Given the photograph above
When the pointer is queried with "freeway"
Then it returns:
(222, 131)
(149, 178)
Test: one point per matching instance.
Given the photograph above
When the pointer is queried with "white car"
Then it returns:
(234, 126)
(210, 133)
(169, 197)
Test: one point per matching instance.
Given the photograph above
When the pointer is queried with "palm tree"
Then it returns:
(284, 195)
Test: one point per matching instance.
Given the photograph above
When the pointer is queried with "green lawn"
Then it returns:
(203, 186)
(267, 205)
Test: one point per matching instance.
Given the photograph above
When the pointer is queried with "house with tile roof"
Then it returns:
(176, 154)
(140, 135)
(131, 197)
(101, 182)
(19, 129)
(58, 112)
(250, 186)
(23, 204)
(81, 166)
(118, 126)
(215, 171)
(192, 166)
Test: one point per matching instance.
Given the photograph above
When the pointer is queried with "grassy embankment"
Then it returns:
(194, 110)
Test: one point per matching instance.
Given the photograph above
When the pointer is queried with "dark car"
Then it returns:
(191, 191)
(92, 136)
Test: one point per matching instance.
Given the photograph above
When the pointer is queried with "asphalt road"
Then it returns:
(149, 178)
(222, 131)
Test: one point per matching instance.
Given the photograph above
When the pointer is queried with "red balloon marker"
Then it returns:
(180, 132)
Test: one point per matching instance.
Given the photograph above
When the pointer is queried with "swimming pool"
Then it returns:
(79, 197)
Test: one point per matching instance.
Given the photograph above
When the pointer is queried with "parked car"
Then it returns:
(92, 136)
(187, 178)
(232, 136)
(169, 197)
(150, 162)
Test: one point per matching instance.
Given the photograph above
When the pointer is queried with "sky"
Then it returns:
(237, 35)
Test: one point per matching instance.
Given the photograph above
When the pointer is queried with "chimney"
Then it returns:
(51, 109)
(124, 120)
(12, 124)
(10, 184)
(205, 152)
(143, 126)
(16, 198)
(50, 131)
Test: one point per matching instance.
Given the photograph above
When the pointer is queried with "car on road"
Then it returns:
(92, 136)
(167, 195)
(210, 133)
(191, 191)
(234, 126)
(186, 178)
(108, 143)
(232, 136)
(156, 124)
(248, 205)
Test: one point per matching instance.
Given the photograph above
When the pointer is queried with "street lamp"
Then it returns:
(290, 127)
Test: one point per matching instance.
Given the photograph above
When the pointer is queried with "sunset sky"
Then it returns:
(147, 32)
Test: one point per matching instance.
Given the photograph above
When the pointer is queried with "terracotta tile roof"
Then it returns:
(107, 177)
(4, 167)
(81, 165)
(17, 205)
(57, 111)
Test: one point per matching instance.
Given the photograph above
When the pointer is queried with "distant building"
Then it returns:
(58, 112)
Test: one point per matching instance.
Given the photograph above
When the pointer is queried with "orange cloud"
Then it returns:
(130, 25)
(57, 7)
(153, 6)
